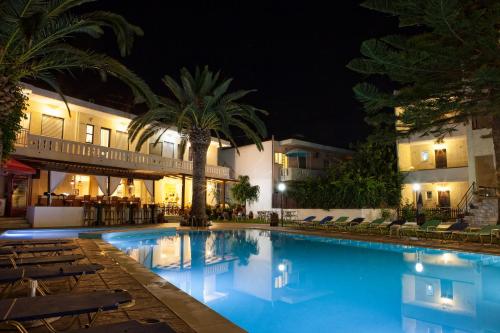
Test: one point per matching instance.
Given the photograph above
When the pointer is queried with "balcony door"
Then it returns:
(105, 137)
(441, 159)
(52, 126)
(168, 149)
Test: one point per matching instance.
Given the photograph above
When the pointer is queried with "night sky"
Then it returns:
(294, 52)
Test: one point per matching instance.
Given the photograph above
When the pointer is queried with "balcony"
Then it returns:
(297, 174)
(456, 174)
(46, 148)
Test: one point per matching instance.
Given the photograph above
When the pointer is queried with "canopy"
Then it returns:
(296, 153)
(14, 166)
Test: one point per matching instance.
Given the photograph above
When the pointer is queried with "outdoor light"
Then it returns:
(281, 189)
(281, 267)
(419, 267)
(416, 187)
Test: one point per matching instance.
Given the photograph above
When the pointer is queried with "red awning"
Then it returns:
(17, 167)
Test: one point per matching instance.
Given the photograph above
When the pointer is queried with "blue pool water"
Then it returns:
(278, 282)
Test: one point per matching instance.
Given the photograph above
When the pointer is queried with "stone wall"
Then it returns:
(485, 211)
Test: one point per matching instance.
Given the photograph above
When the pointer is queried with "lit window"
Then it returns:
(89, 134)
(280, 158)
(424, 156)
(429, 290)
(428, 195)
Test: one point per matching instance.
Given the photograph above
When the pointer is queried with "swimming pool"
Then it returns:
(278, 282)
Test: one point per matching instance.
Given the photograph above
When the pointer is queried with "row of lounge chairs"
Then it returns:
(30, 263)
(459, 230)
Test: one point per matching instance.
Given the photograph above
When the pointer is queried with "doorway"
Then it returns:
(444, 199)
(441, 159)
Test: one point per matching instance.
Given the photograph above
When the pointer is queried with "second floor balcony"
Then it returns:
(47, 148)
(457, 174)
(298, 174)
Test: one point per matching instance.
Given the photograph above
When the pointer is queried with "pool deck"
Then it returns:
(455, 245)
(155, 298)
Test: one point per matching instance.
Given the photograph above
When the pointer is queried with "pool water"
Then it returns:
(277, 282)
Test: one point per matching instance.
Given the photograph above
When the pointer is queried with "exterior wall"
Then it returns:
(81, 114)
(457, 191)
(258, 166)
(410, 154)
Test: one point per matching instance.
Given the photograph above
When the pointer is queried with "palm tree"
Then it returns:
(34, 44)
(201, 107)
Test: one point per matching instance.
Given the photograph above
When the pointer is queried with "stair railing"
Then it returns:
(463, 204)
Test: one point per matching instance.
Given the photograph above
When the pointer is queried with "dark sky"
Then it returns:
(294, 52)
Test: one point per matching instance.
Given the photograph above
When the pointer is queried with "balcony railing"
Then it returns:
(437, 175)
(296, 174)
(43, 147)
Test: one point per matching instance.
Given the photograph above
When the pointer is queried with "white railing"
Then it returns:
(290, 174)
(64, 150)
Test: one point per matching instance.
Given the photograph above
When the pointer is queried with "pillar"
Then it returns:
(223, 194)
(183, 191)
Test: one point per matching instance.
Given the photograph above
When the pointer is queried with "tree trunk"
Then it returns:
(495, 133)
(200, 140)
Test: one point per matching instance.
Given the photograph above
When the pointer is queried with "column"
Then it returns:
(183, 191)
(223, 194)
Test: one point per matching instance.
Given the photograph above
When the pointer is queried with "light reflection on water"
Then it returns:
(277, 282)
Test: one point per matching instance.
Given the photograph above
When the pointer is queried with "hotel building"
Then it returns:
(86, 153)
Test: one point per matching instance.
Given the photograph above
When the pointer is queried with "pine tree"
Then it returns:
(445, 63)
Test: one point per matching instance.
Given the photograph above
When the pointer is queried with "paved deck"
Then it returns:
(114, 276)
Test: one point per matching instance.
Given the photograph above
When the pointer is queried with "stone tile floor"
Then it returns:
(146, 306)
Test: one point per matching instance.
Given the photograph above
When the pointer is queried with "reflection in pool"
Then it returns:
(276, 282)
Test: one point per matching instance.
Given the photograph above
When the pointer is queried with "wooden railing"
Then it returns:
(72, 151)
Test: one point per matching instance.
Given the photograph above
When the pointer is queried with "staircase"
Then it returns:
(480, 206)
(13, 223)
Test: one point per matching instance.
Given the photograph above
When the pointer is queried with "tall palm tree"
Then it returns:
(35, 38)
(200, 107)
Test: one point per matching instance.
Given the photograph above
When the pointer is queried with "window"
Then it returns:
(190, 154)
(424, 156)
(302, 162)
(52, 126)
(428, 195)
(105, 137)
(89, 134)
(155, 149)
(282, 159)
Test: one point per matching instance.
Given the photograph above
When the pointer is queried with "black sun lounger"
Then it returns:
(17, 276)
(35, 242)
(14, 311)
(131, 326)
(38, 249)
(47, 260)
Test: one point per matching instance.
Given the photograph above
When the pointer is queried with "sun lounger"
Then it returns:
(325, 220)
(345, 224)
(386, 227)
(481, 234)
(15, 311)
(338, 222)
(47, 260)
(38, 249)
(131, 326)
(415, 230)
(444, 231)
(363, 226)
(15, 276)
(307, 221)
(35, 242)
